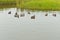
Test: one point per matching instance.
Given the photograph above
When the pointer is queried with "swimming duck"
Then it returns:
(33, 17)
(16, 15)
(28, 12)
(9, 12)
(22, 15)
(46, 14)
(54, 15)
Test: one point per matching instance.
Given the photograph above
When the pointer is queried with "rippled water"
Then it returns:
(24, 28)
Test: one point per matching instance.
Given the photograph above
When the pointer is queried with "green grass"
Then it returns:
(7, 3)
(32, 4)
(41, 5)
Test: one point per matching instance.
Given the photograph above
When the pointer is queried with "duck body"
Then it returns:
(33, 17)
(9, 12)
(22, 15)
(16, 15)
(54, 15)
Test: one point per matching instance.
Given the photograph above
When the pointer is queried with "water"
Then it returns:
(25, 28)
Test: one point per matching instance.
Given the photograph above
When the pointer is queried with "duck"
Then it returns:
(46, 14)
(16, 15)
(28, 12)
(22, 15)
(33, 17)
(54, 15)
(9, 12)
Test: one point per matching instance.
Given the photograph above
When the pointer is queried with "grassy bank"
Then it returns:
(31, 4)
(41, 4)
(7, 4)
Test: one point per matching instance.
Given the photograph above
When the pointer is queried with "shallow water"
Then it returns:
(25, 28)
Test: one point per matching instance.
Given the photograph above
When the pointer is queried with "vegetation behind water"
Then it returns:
(33, 4)
(41, 4)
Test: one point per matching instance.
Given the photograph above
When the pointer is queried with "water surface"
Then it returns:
(25, 28)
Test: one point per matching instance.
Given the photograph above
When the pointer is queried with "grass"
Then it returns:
(41, 5)
(7, 4)
(32, 4)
